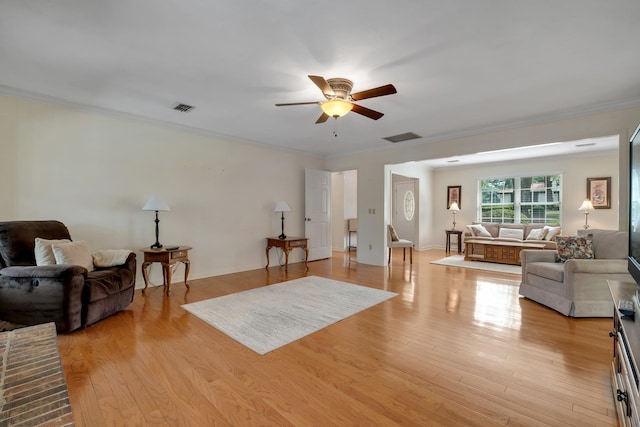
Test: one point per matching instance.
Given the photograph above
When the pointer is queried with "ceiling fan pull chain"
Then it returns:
(335, 127)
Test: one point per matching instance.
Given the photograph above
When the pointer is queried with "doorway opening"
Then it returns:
(344, 211)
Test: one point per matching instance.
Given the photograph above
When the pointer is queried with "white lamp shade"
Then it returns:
(586, 206)
(454, 206)
(156, 203)
(282, 206)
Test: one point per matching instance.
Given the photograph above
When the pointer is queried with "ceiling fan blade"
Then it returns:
(367, 112)
(323, 85)
(297, 103)
(323, 118)
(372, 93)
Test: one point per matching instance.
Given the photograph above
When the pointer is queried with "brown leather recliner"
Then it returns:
(68, 295)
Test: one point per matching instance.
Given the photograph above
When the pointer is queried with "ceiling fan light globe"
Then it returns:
(336, 107)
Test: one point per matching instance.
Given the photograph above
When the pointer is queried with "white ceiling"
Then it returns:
(583, 147)
(459, 66)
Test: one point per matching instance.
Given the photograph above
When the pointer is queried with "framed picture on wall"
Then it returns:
(599, 192)
(454, 195)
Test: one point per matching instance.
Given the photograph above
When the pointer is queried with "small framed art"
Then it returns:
(454, 195)
(599, 192)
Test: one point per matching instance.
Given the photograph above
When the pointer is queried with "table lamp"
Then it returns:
(155, 203)
(586, 206)
(454, 208)
(282, 207)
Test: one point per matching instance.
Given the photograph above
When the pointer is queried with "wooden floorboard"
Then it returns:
(455, 347)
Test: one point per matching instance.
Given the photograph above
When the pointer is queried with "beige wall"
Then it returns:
(94, 172)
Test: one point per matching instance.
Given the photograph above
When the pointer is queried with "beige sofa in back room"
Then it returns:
(517, 233)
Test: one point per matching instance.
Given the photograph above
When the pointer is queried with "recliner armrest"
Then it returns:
(44, 271)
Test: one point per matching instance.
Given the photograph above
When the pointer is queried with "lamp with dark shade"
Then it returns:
(156, 203)
(282, 207)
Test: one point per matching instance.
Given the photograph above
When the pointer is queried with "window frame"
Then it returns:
(513, 210)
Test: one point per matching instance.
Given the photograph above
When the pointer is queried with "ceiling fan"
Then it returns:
(340, 99)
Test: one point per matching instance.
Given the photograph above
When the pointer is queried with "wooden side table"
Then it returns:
(287, 244)
(458, 233)
(168, 258)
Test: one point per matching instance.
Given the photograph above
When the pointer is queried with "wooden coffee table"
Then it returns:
(498, 251)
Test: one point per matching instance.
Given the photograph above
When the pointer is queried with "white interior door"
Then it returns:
(317, 207)
(405, 208)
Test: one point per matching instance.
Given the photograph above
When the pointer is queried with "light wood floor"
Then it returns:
(456, 347)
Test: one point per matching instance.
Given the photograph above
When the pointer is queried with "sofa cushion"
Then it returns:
(574, 247)
(74, 253)
(491, 227)
(528, 228)
(511, 233)
(608, 244)
(548, 270)
(537, 234)
(478, 230)
(552, 232)
(43, 251)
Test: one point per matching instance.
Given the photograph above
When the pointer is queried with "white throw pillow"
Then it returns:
(537, 234)
(552, 232)
(478, 230)
(43, 251)
(74, 253)
(511, 233)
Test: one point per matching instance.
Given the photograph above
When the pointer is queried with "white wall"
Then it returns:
(372, 172)
(94, 172)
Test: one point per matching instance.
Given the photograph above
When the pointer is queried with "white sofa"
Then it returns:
(577, 287)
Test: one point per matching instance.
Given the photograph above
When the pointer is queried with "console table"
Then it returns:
(168, 258)
(626, 347)
(287, 244)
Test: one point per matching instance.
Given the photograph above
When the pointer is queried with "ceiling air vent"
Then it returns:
(183, 107)
(402, 137)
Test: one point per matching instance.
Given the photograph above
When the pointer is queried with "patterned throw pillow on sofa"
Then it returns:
(574, 247)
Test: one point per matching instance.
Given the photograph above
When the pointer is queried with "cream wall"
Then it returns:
(94, 172)
(574, 170)
(373, 167)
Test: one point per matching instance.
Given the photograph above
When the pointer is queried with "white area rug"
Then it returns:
(266, 318)
(458, 261)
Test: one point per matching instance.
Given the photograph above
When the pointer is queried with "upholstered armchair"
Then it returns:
(393, 241)
(72, 296)
(577, 287)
